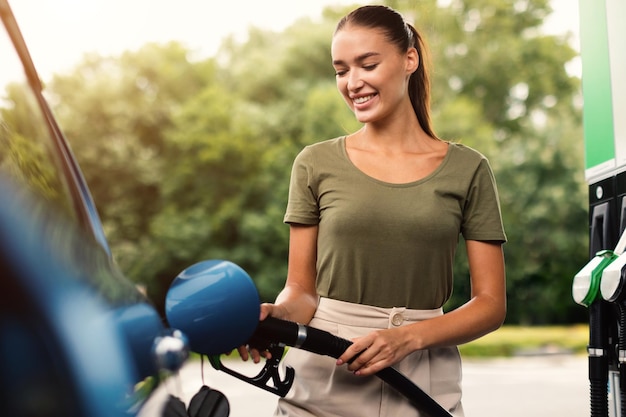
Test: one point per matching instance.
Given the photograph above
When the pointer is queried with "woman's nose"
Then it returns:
(355, 82)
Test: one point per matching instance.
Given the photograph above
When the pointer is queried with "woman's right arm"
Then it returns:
(298, 299)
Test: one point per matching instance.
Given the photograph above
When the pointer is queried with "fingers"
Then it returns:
(351, 354)
(266, 311)
(256, 355)
(243, 352)
(358, 355)
(246, 353)
(362, 363)
(272, 310)
(368, 355)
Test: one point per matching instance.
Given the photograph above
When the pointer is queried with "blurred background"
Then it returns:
(185, 117)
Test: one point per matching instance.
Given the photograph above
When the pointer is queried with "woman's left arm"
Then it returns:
(482, 314)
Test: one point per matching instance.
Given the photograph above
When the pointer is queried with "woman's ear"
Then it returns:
(412, 60)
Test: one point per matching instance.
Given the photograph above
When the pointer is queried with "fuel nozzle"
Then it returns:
(613, 281)
(587, 282)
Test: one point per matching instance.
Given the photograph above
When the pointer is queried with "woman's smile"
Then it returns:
(363, 99)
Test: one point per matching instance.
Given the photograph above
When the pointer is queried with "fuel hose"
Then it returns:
(273, 330)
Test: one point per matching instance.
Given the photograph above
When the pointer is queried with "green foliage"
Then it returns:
(527, 340)
(27, 157)
(190, 160)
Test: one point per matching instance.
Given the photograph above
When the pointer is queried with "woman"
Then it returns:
(375, 219)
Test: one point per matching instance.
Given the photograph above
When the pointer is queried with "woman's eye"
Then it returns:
(340, 73)
(370, 67)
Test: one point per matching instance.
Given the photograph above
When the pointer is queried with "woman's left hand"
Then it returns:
(378, 350)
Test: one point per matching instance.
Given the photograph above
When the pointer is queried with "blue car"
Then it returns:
(76, 337)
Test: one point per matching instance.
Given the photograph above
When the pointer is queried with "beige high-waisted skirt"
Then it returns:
(323, 389)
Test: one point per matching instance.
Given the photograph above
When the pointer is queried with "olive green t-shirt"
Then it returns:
(391, 245)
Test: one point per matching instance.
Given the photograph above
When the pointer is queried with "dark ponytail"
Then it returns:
(419, 83)
(404, 36)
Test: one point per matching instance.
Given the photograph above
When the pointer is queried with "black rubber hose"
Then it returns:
(621, 364)
(272, 330)
(598, 360)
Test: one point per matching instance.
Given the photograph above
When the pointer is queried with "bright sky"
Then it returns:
(59, 32)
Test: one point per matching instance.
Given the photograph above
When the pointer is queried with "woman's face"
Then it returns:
(372, 74)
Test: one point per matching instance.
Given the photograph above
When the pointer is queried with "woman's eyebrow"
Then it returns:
(359, 58)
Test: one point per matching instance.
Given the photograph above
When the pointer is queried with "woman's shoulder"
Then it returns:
(323, 150)
(464, 153)
(464, 161)
(326, 145)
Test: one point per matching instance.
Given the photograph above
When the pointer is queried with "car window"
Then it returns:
(26, 156)
(31, 159)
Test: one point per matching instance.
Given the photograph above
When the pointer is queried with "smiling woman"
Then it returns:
(375, 218)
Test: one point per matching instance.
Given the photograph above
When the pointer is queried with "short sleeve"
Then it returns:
(482, 218)
(302, 204)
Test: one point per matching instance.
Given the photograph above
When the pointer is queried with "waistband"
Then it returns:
(360, 315)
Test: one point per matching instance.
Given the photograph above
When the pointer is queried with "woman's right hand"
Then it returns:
(267, 310)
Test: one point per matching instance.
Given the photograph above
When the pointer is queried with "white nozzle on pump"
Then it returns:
(611, 283)
(585, 286)
(620, 248)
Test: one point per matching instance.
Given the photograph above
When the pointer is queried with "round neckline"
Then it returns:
(344, 152)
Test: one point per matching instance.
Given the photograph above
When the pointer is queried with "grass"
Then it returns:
(519, 340)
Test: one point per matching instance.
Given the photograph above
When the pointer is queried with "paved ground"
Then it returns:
(554, 386)
(538, 386)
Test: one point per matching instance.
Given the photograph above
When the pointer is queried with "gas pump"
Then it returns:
(600, 284)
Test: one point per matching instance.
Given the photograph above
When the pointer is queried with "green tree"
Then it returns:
(114, 111)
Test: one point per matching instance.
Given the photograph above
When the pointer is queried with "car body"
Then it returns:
(77, 338)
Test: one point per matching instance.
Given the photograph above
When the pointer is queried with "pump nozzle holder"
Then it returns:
(613, 280)
(586, 285)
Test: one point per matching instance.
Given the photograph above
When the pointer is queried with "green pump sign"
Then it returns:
(603, 34)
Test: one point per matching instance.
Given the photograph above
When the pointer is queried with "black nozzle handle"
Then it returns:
(273, 330)
(300, 336)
